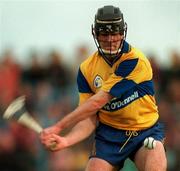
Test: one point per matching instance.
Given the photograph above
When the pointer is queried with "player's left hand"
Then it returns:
(50, 130)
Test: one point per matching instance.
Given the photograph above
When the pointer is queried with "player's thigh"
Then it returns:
(153, 159)
(96, 164)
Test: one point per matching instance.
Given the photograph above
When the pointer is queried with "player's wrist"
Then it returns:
(69, 141)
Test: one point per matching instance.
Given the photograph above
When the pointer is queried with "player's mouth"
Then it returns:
(110, 47)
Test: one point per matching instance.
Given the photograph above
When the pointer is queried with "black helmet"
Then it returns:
(109, 20)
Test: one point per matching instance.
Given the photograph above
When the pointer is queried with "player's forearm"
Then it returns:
(81, 131)
(87, 109)
(82, 112)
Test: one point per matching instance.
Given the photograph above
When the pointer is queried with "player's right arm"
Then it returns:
(78, 133)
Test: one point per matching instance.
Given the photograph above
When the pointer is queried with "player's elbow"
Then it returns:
(100, 99)
(96, 102)
(96, 105)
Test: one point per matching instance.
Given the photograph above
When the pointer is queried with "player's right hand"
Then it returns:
(54, 142)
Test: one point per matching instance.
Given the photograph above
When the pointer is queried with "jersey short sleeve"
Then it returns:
(84, 89)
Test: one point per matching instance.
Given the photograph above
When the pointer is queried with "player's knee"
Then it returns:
(159, 161)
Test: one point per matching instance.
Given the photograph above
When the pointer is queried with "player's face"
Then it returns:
(110, 42)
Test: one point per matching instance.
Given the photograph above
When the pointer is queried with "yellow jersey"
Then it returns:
(129, 81)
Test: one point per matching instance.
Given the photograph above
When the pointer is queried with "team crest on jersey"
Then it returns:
(98, 81)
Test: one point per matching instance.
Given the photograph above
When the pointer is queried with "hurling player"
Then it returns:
(116, 89)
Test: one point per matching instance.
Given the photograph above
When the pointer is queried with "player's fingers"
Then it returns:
(55, 143)
(47, 131)
(57, 137)
(45, 135)
(45, 140)
(49, 144)
(51, 130)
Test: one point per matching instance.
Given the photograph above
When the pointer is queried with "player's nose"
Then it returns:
(109, 37)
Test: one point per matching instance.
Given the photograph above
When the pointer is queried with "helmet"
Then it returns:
(109, 20)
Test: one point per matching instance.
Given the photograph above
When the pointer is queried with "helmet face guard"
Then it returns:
(109, 20)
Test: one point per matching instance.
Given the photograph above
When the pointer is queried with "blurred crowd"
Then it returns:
(51, 92)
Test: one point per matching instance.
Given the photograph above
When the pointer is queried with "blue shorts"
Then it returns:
(115, 146)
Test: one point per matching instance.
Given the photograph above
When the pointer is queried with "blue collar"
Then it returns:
(125, 48)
